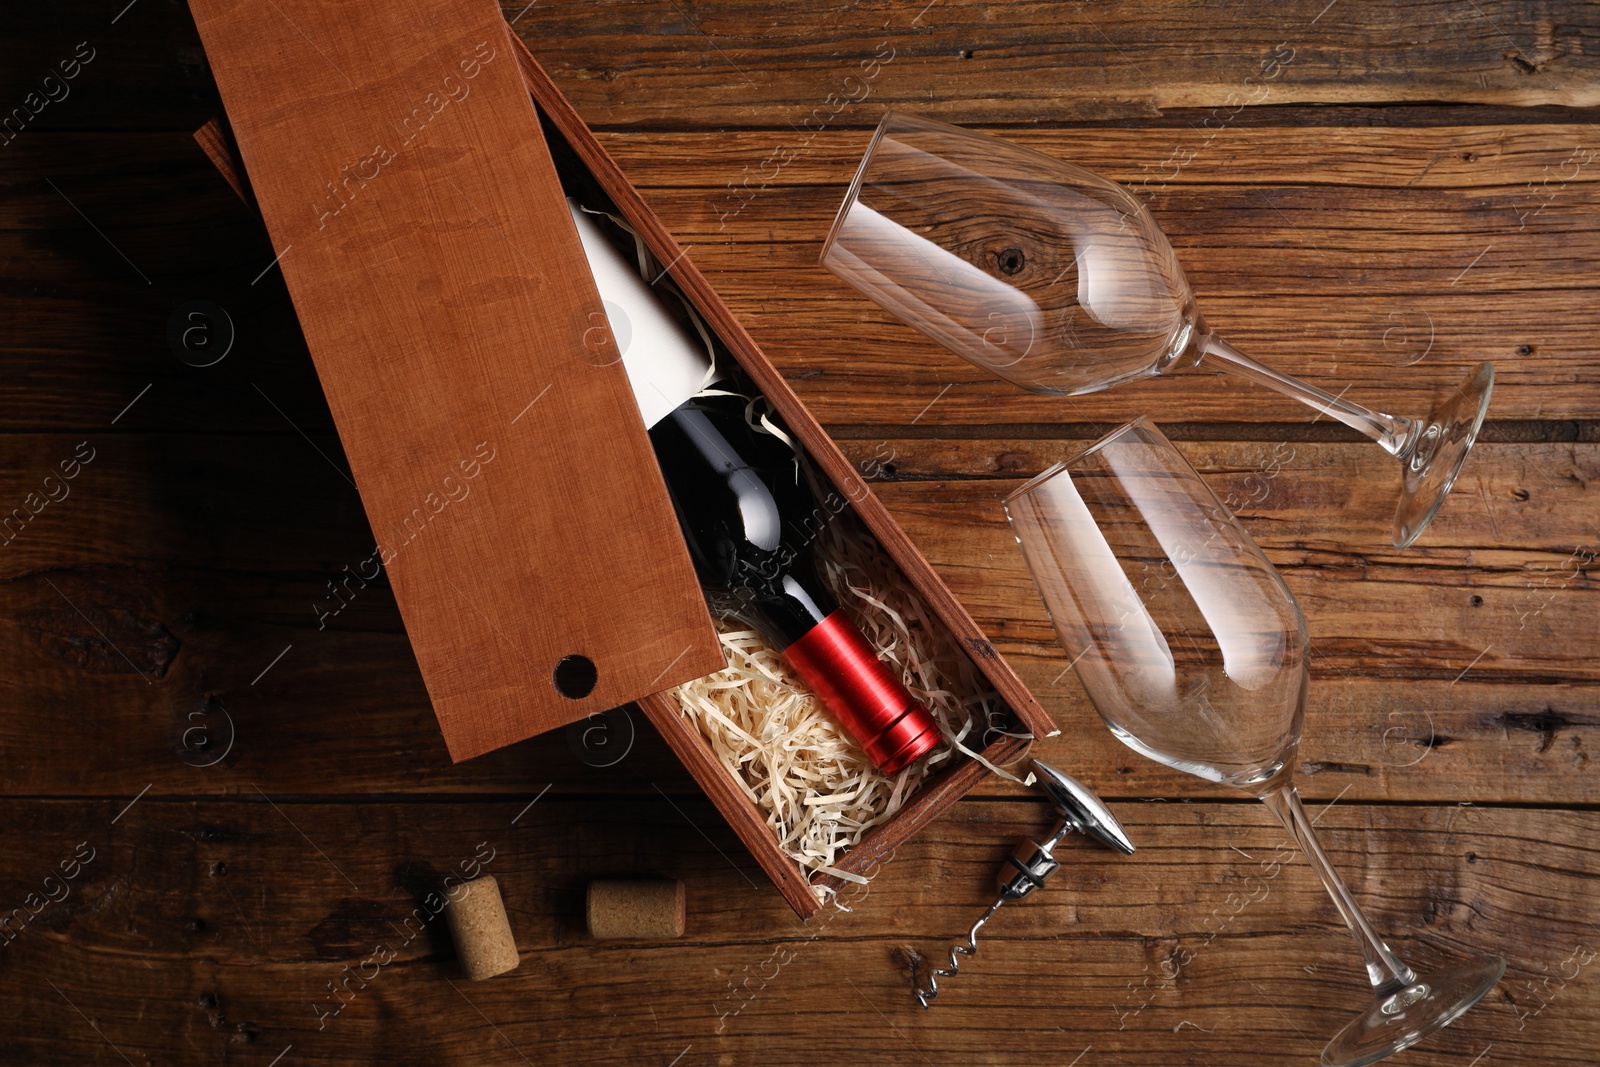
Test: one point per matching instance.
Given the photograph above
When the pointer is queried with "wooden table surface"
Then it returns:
(249, 805)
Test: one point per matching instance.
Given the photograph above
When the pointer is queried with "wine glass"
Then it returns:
(1194, 653)
(1059, 281)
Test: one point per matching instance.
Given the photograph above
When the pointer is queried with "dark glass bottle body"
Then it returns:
(751, 522)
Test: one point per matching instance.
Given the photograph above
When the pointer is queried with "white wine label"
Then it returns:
(665, 365)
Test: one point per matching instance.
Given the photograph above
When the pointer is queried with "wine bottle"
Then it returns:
(748, 517)
(750, 522)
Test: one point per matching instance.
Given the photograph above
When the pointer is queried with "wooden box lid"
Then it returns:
(398, 164)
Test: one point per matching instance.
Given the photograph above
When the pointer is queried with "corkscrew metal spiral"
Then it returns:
(968, 949)
(1032, 862)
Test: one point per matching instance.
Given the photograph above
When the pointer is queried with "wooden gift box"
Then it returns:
(406, 305)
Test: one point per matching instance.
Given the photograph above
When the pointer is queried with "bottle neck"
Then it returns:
(791, 602)
(748, 517)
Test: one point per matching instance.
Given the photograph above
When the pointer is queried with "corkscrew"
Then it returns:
(1026, 868)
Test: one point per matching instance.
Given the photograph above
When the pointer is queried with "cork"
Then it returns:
(482, 933)
(636, 910)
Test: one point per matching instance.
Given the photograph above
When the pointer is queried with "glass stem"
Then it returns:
(1384, 968)
(1393, 433)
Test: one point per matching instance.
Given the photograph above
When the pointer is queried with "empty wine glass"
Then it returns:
(1059, 281)
(1194, 653)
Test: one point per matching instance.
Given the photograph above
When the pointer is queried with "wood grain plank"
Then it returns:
(1399, 266)
(1350, 279)
(761, 62)
(206, 930)
(201, 559)
(1397, 658)
(747, 62)
(765, 63)
(1524, 596)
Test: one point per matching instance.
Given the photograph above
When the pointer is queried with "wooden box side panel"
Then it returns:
(741, 812)
(750, 824)
(400, 168)
(878, 846)
(766, 377)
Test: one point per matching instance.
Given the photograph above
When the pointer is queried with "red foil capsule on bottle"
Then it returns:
(863, 694)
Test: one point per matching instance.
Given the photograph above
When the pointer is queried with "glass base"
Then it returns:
(1431, 466)
(1401, 1019)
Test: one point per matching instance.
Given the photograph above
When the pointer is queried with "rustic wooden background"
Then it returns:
(264, 802)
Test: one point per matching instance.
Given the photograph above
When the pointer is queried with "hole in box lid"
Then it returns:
(574, 677)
